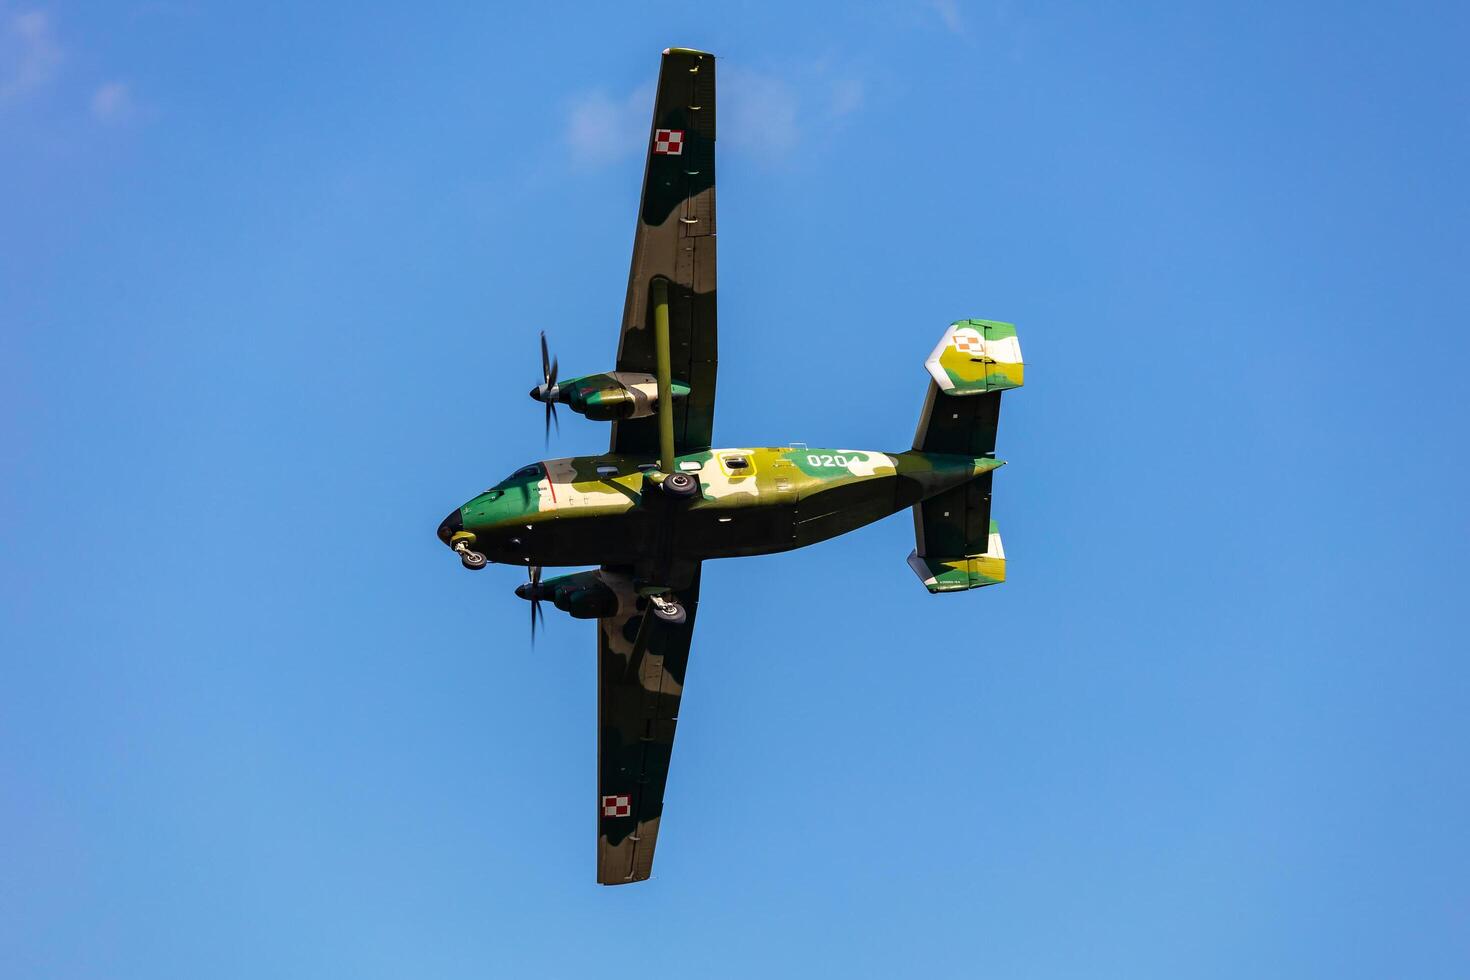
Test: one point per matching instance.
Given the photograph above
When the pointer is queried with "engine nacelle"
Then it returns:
(592, 602)
(619, 395)
(581, 595)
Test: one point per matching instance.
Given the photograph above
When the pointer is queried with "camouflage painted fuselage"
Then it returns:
(602, 510)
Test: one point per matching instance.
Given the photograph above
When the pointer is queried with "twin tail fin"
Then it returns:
(957, 545)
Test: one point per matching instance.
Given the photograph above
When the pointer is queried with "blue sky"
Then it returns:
(270, 283)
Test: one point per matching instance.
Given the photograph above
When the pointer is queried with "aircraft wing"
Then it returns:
(640, 679)
(675, 239)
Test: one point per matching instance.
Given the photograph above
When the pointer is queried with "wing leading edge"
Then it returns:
(675, 240)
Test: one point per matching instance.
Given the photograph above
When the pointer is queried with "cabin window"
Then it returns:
(690, 466)
(607, 470)
(736, 463)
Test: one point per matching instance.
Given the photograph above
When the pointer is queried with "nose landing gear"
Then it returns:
(470, 559)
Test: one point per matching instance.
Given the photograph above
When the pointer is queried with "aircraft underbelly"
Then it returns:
(577, 537)
(827, 511)
(753, 529)
(784, 520)
(782, 516)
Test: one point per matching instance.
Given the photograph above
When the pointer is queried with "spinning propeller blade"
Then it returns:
(548, 377)
(534, 572)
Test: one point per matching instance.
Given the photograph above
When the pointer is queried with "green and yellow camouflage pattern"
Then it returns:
(647, 516)
(962, 572)
(976, 356)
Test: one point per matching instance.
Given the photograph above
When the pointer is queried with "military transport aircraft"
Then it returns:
(660, 501)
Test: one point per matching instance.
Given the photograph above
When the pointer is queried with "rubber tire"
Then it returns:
(674, 616)
(473, 560)
(680, 485)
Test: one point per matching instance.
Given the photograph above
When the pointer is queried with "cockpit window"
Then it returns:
(533, 470)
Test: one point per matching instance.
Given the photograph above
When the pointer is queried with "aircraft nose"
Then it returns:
(452, 524)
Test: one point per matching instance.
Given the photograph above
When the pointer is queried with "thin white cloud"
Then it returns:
(29, 54)
(758, 113)
(847, 97)
(112, 103)
(949, 14)
(773, 116)
(762, 114)
(602, 130)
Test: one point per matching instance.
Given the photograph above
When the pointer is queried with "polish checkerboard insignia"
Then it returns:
(967, 340)
(669, 142)
(616, 806)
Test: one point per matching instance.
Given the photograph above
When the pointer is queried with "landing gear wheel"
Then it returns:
(681, 485)
(472, 560)
(668, 610)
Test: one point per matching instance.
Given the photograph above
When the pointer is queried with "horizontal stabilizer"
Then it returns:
(976, 356)
(962, 572)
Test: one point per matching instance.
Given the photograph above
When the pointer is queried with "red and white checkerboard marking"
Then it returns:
(968, 341)
(669, 142)
(616, 806)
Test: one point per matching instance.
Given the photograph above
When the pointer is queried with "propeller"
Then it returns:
(546, 392)
(534, 594)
